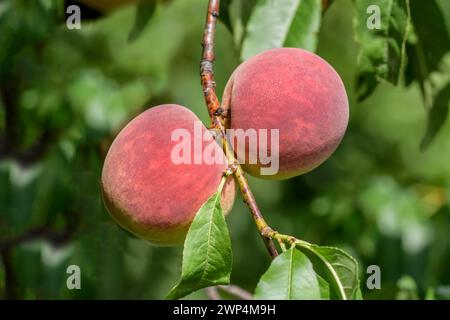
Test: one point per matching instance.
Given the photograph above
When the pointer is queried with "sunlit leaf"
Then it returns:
(291, 277)
(207, 258)
(282, 23)
(337, 267)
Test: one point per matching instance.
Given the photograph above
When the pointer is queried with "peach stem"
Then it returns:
(218, 122)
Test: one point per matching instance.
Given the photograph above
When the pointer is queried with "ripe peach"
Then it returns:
(297, 92)
(145, 191)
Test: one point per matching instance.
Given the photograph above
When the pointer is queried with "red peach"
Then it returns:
(145, 191)
(297, 92)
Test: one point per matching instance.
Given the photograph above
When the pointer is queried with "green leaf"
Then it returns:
(144, 11)
(427, 54)
(407, 289)
(431, 41)
(224, 15)
(246, 10)
(437, 116)
(291, 277)
(236, 14)
(337, 267)
(326, 5)
(358, 295)
(207, 258)
(382, 47)
(282, 23)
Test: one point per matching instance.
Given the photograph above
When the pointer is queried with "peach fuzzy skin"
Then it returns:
(145, 192)
(297, 92)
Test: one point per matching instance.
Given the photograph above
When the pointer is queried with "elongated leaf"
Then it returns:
(358, 295)
(432, 38)
(144, 11)
(437, 115)
(281, 23)
(338, 268)
(235, 16)
(291, 277)
(326, 5)
(246, 10)
(207, 258)
(381, 29)
(427, 54)
(224, 15)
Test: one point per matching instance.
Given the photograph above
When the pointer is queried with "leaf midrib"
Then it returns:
(331, 269)
(291, 263)
(206, 263)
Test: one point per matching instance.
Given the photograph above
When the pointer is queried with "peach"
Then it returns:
(296, 92)
(149, 194)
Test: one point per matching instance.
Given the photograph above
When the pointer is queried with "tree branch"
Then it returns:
(217, 116)
(10, 275)
(56, 238)
(207, 61)
(10, 138)
(237, 292)
(212, 293)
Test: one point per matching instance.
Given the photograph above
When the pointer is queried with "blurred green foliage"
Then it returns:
(66, 93)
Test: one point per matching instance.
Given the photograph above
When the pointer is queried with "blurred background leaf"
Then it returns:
(66, 93)
(429, 61)
(381, 29)
(283, 23)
